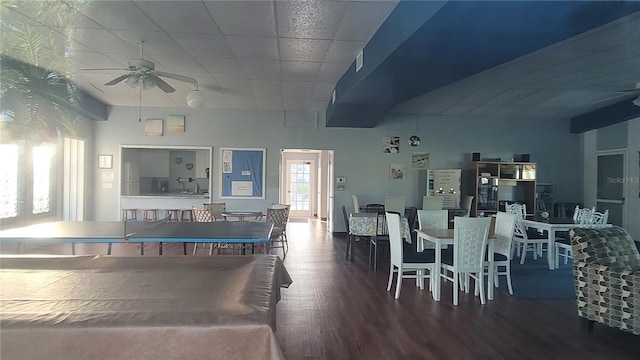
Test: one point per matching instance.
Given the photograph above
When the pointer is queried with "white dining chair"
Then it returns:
(401, 262)
(502, 244)
(432, 219)
(466, 261)
(356, 203)
(525, 241)
(433, 202)
(395, 203)
(467, 204)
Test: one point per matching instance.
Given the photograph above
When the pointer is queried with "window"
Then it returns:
(27, 182)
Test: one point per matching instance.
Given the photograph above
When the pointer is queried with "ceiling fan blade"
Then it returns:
(625, 93)
(117, 80)
(163, 85)
(177, 77)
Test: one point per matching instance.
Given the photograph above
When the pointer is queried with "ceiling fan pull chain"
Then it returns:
(140, 101)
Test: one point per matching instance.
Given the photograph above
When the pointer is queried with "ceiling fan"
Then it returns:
(625, 93)
(143, 73)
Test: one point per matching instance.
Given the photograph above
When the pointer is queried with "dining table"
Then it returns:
(440, 237)
(552, 226)
(242, 215)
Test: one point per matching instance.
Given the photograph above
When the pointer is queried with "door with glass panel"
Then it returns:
(300, 187)
(611, 186)
(27, 182)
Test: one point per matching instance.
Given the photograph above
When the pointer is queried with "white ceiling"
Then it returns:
(288, 55)
(266, 55)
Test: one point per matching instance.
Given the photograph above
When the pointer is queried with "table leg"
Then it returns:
(551, 248)
(436, 273)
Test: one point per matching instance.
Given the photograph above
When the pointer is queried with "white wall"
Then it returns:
(358, 152)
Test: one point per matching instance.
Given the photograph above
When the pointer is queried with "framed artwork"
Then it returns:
(242, 173)
(175, 123)
(397, 171)
(391, 144)
(105, 161)
(153, 127)
(420, 160)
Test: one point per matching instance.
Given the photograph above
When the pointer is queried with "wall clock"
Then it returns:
(414, 140)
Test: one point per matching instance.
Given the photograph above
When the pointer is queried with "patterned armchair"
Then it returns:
(606, 272)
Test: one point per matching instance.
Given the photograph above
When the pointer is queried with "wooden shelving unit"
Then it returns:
(499, 182)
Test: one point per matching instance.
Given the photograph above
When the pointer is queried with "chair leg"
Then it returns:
(399, 282)
(508, 271)
(390, 278)
(348, 246)
(523, 253)
(480, 280)
(455, 288)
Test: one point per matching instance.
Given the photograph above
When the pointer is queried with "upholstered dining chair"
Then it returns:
(433, 202)
(401, 261)
(467, 258)
(502, 244)
(351, 238)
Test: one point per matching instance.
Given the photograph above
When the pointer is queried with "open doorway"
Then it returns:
(305, 183)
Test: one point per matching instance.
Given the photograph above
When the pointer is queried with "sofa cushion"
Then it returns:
(611, 246)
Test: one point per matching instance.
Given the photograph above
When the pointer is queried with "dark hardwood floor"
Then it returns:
(336, 309)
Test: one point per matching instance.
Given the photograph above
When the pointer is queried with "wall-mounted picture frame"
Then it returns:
(175, 123)
(105, 161)
(242, 173)
(153, 127)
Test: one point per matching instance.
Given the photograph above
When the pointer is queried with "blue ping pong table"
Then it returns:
(244, 232)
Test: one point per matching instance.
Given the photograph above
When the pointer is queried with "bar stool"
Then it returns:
(149, 214)
(186, 215)
(172, 215)
(129, 214)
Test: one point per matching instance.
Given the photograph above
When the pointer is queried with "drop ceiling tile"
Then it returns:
(216, 65)
(331, 72)
(254, 48)
(119, 15)
(96, 61)
(482, 95)
(155, 42)
(303, 49)
(250, 18)
(263, 67)
(323, 91)
(344, 51)
(510, 96)
(180, 16)
(203, 45)
(362, 19)
(269, 104)
(434, 109)
(300, 70)
(183, 65)
(103, 41)
(459, 109)
(267, 89)
(312, 19)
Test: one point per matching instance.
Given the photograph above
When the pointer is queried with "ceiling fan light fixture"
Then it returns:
(195, 98)
(148, 83)
(133, 81)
